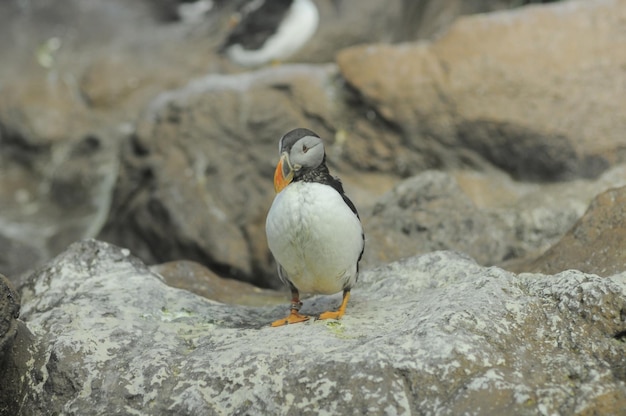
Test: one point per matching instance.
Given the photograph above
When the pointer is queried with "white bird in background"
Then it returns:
(271, 30)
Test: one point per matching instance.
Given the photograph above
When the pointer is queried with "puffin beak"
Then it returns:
(283, 175)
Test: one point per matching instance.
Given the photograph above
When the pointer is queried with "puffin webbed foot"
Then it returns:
(294, 315)
(293, 318)
(342, 309)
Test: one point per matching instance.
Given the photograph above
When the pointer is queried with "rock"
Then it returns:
(52, 196)
(488, 216)
(17, 366)
(469, 97)
(196, 179)
(429, 18)
(16, 350)
(346, 23)
(430, 212)
(63, 114)
(9, 311)
(434, 334)
(197, 279)
(594, 244)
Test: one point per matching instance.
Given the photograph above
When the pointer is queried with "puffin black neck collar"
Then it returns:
(319, 174)
(322, 175)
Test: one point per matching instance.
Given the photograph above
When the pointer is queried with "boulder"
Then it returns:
(196, 179)
(594, 244)
(9, 312)
(346, 23)
(63, 113)
(488, 216)
(429, 18)
(534, 91)
(196, 278)
(52, 195)
(17, 349)
(433, 334)
(429, 212)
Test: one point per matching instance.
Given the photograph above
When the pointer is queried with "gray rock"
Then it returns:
(59, 154)
(9, 311)
(17, 351)
(593, 245)
(52, 195)
(430, 212)
(196, 179)
(435, 334)
(488, 216)
(345, 23)
(429, 18)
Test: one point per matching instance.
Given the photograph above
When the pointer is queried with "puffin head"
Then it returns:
(300, 150)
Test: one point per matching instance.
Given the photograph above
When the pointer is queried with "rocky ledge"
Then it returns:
(490, 139)
(433, 334)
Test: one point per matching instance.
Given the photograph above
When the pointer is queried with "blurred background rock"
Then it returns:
(479, 126)
(493, 129)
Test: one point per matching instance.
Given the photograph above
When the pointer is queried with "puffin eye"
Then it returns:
(304, 148)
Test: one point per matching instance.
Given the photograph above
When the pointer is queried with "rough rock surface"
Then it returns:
(490, 217)
(408, 108)
(196, 181)
(535, 91)
(435, 334)
(463, 100)
(196, 278)
(595, 244)
(64, 110)
(491, 139)
(15, 350)
(9, 311)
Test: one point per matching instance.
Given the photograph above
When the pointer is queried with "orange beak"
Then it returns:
(283, 175)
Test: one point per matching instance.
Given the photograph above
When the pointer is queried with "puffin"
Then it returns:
(313, 229)
(270, 30)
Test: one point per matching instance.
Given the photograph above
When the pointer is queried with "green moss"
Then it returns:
(337, 329)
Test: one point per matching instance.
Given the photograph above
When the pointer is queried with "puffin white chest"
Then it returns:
(315, 237)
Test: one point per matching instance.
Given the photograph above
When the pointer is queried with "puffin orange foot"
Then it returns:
(342, 309)
(331, 315)
(293, 318)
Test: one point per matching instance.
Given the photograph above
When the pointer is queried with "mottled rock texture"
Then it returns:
(196, 180)
(197, 169)
(9, 311)
(196, 278)
(490, 217)
(515, 88)
(595, 244)
(488, 138)
(16, 353)
(435, 334)
(116, 134)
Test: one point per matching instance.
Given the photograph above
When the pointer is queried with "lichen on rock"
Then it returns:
(434, 334)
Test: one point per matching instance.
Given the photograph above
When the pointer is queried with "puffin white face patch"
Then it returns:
(307, 152)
